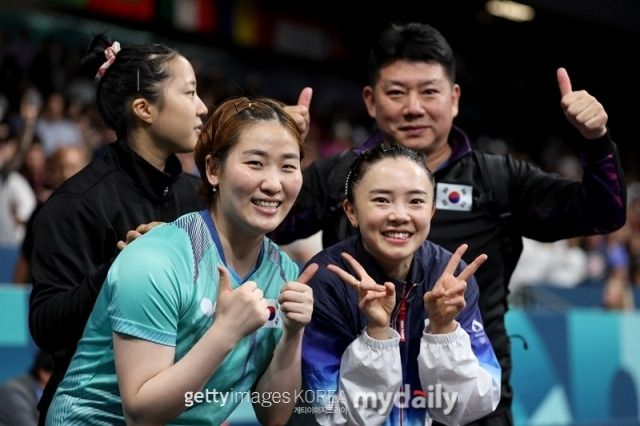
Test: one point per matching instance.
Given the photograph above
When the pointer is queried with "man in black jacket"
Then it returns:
(487, 201)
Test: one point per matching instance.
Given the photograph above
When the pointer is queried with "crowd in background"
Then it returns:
(45, 109)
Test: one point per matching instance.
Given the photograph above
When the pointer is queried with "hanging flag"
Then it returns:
(250, 26)
(137, 10)
(196, 16)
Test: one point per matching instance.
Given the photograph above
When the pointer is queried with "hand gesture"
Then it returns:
(446, 299)
(132, 235)
(375, 301)
(243, 310)
(300, 112)
(296, 300)
(582, 110)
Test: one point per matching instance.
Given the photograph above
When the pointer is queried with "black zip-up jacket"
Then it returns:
(537, 204)
(75, 241)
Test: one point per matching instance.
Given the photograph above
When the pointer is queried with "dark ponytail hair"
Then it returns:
(137, 71)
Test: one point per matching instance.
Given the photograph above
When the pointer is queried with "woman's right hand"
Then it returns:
(242, 310)
(375, 301)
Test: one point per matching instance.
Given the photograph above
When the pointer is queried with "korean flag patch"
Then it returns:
(275, 314)
(450, 196)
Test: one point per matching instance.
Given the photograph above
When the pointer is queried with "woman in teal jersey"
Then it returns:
(204, 312)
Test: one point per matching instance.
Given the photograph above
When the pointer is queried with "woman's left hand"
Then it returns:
(296, 300)
(446, 300)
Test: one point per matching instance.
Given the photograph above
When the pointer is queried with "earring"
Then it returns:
(214, 189)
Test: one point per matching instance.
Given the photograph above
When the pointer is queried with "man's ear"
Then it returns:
(368, 96)
(143, 110)
(456, 91)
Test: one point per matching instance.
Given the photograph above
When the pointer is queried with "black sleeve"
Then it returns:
(72, 251)
(551, 207)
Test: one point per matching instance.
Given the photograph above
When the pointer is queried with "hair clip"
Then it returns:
(346, 184)
(110, 53)
(238, 111)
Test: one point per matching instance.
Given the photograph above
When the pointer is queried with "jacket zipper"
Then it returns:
(402, 311)
(401, 329)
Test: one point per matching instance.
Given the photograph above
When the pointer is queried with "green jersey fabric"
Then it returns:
(163, 288)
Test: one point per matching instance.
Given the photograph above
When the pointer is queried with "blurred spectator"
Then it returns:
(633, 223)
(34, 170)
(562, 263)
(96, 134)
(608, 266)
(83, 112)
(17, 199)
(605, 256)
(617, 295)
(53, 127)
(340, 139)
(60, 166)
(22, 124)
(19, 396)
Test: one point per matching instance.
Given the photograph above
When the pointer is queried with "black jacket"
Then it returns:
(75, 238)
(538, 205)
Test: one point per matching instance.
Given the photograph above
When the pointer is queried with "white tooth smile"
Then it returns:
(397, 234)
(267, 204)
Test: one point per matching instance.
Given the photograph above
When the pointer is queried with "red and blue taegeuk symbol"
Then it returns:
(272, 312)
(454, 197)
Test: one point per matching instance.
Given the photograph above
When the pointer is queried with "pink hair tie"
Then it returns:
(110, 53)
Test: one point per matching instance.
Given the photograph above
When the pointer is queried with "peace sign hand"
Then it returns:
(446, 299)
(375, 301)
